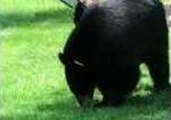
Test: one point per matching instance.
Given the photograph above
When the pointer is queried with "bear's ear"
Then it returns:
(88, 2)
(61, 58)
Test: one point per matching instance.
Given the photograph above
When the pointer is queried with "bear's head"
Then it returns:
(79, 79)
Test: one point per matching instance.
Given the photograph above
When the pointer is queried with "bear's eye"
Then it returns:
(78, 63)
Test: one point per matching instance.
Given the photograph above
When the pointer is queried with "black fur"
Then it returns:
(79, 9)
(110, 41)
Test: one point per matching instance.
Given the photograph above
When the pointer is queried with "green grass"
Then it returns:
(32, 81)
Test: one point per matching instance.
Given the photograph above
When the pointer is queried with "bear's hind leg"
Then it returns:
(159, 69)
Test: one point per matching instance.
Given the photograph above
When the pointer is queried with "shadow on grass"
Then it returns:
(160, 98)
(135, 107)
(64, 108)
(156, 100)
(20, 19)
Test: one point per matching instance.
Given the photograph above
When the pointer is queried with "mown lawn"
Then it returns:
(32, 81)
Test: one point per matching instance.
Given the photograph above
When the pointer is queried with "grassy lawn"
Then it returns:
(32, 81)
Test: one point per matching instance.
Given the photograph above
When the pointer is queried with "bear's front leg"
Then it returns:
(85, 101)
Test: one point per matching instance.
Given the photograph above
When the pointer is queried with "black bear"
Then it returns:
(109, 42)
